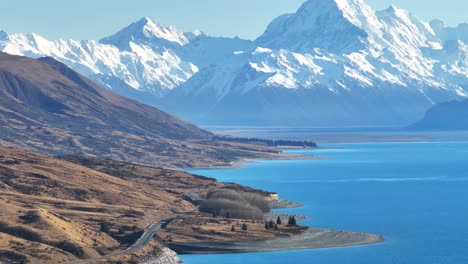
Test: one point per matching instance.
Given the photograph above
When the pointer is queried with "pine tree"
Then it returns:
(233, 229)
(244, 227)
(278, 221)
(292, 221)
(271, 224)
(267, 226)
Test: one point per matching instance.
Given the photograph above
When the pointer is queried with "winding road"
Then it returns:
(192, 196)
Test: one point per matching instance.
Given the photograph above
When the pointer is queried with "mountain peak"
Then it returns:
(392, 9)
(151, 29)
(350, 9)
(437, 23)
(336, 25)
(145, 20)
(144, 23)
(147, 29)
(397, 11)
(3, 34)
(339, 3)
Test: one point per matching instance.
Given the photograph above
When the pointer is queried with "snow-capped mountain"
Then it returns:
(333, 62)
(139, 67)
(143, 59)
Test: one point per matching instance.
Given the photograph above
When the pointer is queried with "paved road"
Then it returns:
(147, 235)
(194, 197)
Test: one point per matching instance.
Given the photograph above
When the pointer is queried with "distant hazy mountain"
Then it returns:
(445, 116)
(333, 62)
(48, 107)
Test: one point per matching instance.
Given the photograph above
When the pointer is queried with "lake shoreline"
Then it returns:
(312, 238)
(240, 163)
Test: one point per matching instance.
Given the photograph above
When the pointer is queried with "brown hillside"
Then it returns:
(53, 210)
(46, 106)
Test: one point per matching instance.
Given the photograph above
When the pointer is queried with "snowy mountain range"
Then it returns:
(332, 63)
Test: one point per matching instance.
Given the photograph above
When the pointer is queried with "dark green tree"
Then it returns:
(292, 221)
(233, 229)
(271, 224)
(244, 227)
(278, 221)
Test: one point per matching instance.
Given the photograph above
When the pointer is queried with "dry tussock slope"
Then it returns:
(55, 210)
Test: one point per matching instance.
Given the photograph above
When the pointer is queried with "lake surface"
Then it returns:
(413, 194)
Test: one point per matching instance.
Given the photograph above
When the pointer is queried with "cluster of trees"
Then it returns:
(292, 220)
(269, 142)
(234, 204)
(272, 225)
(244, 227)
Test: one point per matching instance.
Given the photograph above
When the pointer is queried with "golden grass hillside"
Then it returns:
(54, 210)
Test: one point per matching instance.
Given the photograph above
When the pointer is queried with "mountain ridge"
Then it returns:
(46, 106)
(444, 116)
(339, 52)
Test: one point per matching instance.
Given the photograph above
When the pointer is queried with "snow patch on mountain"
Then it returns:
(335, 51)
(140, 66)
(146, 30)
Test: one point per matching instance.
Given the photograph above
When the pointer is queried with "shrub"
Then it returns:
(128, 239)
(20, 232)
(244, 227)
(70, 247)
(30, 217)
(105, 227)
(13, 257)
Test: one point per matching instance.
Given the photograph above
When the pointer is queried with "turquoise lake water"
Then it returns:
(413, 194)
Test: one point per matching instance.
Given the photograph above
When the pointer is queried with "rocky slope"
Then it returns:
(167, 256)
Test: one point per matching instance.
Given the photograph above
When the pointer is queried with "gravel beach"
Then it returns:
(312, 238)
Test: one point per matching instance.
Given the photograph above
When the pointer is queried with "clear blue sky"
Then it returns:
(93, 19)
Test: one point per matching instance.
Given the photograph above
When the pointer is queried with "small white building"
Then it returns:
(272, 197)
